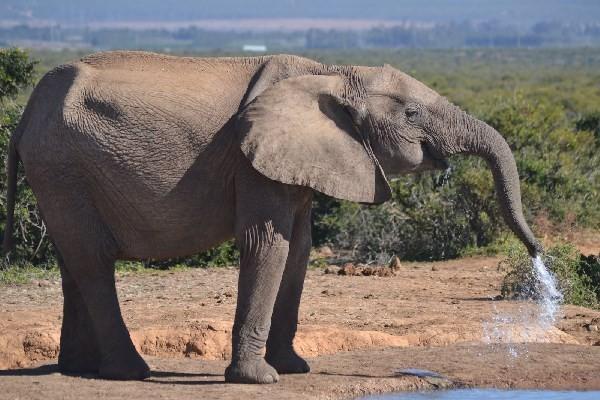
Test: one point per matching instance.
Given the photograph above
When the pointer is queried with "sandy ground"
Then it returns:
(359, 333)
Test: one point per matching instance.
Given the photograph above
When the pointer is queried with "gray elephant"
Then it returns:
(135, 155)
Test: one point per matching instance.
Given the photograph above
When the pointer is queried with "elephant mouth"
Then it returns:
(433, 158)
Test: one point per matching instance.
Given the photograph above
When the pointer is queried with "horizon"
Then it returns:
(83, 13)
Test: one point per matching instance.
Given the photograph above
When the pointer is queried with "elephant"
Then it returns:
(137, 155)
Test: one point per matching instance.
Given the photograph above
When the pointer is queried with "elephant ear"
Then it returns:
(300, 132)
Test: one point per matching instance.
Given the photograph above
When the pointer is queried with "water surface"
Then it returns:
(490, 394)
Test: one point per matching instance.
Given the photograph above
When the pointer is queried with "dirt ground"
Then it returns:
(358, 332)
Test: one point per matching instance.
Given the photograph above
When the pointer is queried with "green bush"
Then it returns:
(557, 159)
(578, 277)
(16, 72)
(31, 241)
(589, 122)
(589, 266)
(223, 255)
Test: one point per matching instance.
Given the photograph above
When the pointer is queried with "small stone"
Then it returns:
(368, 271)
(325, 252)
(347, 269)
(434, 268)
(369, 296)
(395, 264)
(592, 328)
(332, 269)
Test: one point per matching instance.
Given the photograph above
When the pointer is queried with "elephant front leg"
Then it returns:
(264, 249)
(280, 351)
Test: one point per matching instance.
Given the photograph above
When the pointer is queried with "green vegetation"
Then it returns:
(578, 276)
(24, 272)
(32, 244)
(545, 102)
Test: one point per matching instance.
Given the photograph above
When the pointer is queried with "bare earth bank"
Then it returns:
(357, 331)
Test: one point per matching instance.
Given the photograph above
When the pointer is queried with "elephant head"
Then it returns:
(342, 131)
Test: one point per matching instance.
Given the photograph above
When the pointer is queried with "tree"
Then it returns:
(32, 243)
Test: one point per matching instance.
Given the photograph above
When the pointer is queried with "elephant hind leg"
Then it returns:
(88, 251)
(92, 272)
(79, 351)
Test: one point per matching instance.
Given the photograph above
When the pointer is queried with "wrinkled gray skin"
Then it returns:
(136, 155)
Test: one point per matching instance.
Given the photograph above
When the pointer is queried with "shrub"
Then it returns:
(589, 122)
(16, 72)
(577, 277)
(223, 255)
(589, 266)
(31, 241)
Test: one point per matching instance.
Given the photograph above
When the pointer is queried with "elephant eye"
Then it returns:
(411, 113)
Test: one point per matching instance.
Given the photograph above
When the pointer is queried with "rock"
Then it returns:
(350, 269)
(385, 272)
(325, 252)
(434, 268)
(368, 271)
(395, 264)
(332, 269)
(347, 269)
(328, 292)
(378, 271)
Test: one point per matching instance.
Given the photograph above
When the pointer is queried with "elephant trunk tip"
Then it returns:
(534, 249)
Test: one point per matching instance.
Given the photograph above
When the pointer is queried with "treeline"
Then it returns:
(405, 35)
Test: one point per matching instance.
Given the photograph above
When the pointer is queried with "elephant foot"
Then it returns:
(131, 367)
(288, 362)
(251, 371)
(73, 364)
(77, 356)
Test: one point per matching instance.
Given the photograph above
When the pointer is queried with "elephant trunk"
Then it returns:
(469, 135)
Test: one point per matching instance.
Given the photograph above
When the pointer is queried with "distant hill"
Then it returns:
(81, 12)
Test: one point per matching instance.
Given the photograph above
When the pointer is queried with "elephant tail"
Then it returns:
(11, 168)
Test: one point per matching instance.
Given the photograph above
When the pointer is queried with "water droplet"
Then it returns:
(549, 296)
(529, 323)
